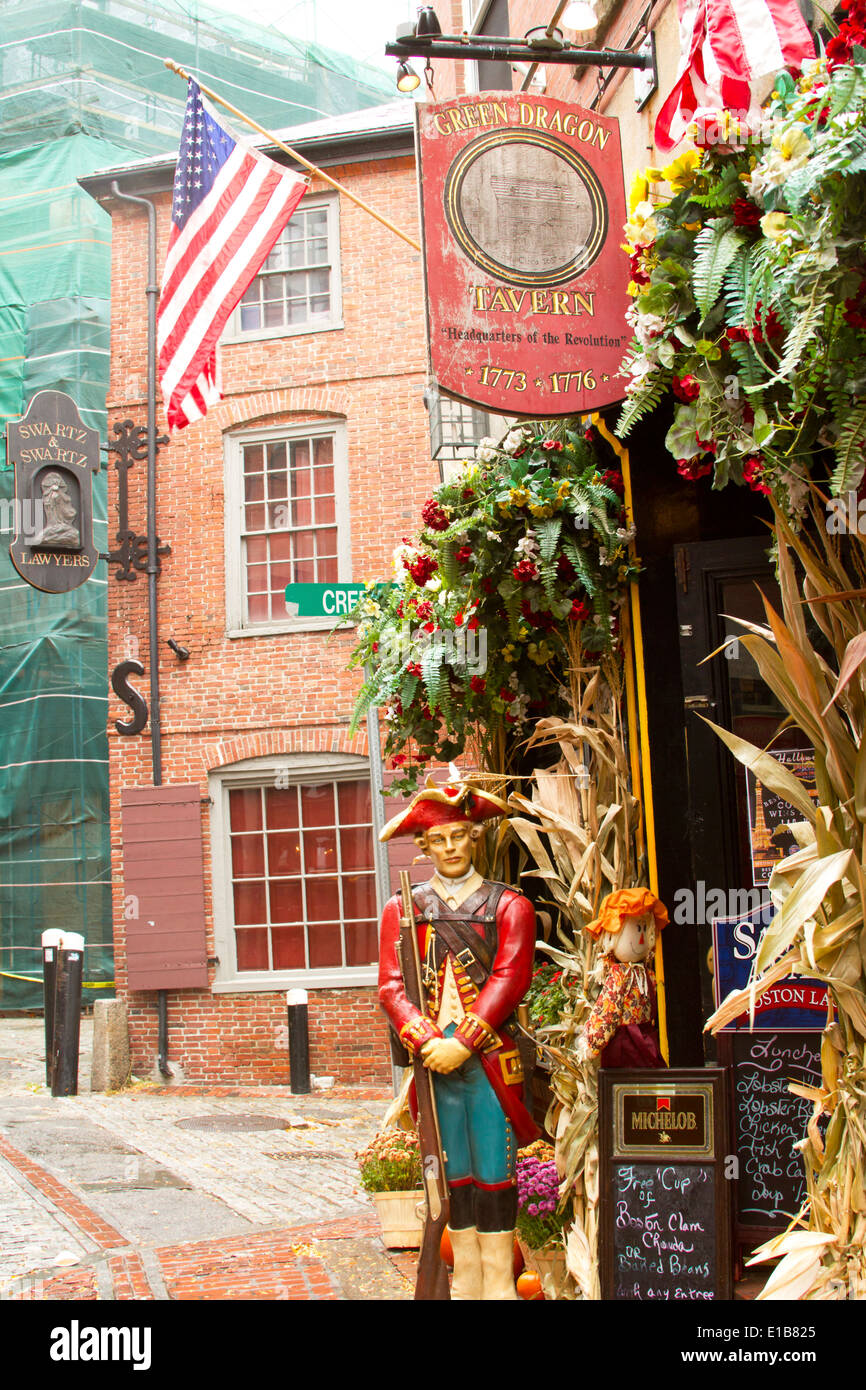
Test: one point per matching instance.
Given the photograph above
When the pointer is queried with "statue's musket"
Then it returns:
(432, 1280)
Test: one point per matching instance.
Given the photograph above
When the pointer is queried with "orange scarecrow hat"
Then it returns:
(455, 801)
(627, 902)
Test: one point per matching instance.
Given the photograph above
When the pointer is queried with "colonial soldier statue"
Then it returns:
(476, 941)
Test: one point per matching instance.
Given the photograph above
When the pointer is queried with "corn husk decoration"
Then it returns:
(819, 893)
(580, 826)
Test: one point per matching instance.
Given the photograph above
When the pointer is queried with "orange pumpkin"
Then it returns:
(445, 1249)
(529, 1285)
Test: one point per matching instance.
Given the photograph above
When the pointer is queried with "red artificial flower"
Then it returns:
(433, 516)
(458, 619)
(398, 760)
(589, 434)
(552, 444)
(692, 469)
(753, 473)
(487, 584)
(507, 695)
(374, 646)
(564, 568)
(413, 668)
(615, 481)
(746, 213)
(686, 388)
(467, 494)
(424, 610)
(478, 684)
(709, 446)
(580, 612)
(525, 571)
(429, 627)
(464, 554)
(472, 625)
(422, 568)
(737, 333)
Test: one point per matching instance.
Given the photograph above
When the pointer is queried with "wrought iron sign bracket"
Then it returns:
(492, 49)
(131, 553)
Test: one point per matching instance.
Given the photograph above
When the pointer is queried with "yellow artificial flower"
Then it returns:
(638, 193)
(518, 496)
(540, 511)
(681, 173)
(774, 225)
(692, 226)
(508, 653)
(653, 175)
(793, 145)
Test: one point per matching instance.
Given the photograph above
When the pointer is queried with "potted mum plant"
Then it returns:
(540, 1222)
(390, 1169)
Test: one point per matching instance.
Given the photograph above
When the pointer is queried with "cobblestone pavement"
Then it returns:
(183, 1192)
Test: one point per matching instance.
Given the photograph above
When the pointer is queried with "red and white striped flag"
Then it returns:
(230, 205)
(726, 48)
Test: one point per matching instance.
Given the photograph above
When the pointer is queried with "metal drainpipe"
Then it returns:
(152, 292)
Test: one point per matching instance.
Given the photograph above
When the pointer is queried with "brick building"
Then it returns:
(311, 468)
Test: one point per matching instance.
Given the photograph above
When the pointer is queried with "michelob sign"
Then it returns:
(526, 281)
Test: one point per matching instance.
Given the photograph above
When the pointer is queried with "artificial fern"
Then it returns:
(716, 245)
(642, 403)
(848, 472)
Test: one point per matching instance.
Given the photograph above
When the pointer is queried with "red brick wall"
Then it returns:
(265, 695)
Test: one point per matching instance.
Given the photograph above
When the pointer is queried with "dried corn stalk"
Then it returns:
(819, 893)
(579, 826)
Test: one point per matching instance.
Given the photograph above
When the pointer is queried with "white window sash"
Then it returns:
(302, 769)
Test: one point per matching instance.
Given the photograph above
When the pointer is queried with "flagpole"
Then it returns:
(320, 173)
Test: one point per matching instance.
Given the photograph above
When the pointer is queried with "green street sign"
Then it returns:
(322, 600)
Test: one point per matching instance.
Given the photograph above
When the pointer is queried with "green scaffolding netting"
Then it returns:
(83, 86)
(97, 66)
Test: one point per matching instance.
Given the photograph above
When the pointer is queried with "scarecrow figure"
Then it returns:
(622, 1029)
(476, 941)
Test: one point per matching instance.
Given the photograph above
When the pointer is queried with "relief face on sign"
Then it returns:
(62, 528)
(526, 207)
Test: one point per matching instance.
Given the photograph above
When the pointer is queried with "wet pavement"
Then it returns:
(184, 1192)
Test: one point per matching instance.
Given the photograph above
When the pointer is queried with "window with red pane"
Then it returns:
(289, 528)
(302, 876)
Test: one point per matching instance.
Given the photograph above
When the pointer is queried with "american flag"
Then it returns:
(230, 205)
(728, 50)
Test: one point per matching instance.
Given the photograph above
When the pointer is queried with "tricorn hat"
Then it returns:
(627, 902)
(434, 805)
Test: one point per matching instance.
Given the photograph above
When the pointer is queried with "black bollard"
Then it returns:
(67, 1014)
(50, 942)
(299, 1042)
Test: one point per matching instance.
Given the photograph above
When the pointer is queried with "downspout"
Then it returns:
(152, 292)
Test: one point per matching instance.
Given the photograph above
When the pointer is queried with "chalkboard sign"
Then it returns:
(768, 1121)
(664, 1206)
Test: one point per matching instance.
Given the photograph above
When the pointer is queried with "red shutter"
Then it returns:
(163, 868)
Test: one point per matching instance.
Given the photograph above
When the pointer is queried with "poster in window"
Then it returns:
(769, 815)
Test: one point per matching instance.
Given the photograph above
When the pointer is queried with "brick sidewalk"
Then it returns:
(296, 1263)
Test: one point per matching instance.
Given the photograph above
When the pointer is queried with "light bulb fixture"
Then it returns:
(580, 15)
(407, 79)
(428, 24)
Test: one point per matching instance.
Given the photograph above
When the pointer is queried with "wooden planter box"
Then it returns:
(398, 1213)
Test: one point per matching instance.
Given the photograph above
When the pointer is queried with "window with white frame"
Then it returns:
(297, 289)
(294, 873)
(286, 521)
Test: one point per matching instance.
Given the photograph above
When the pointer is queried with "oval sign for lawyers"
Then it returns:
(526, 280)
(55, 456)
(322, 600)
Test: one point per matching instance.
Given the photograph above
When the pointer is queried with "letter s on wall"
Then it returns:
(121, 687)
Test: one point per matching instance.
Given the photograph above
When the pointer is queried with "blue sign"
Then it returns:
(791, 1005)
